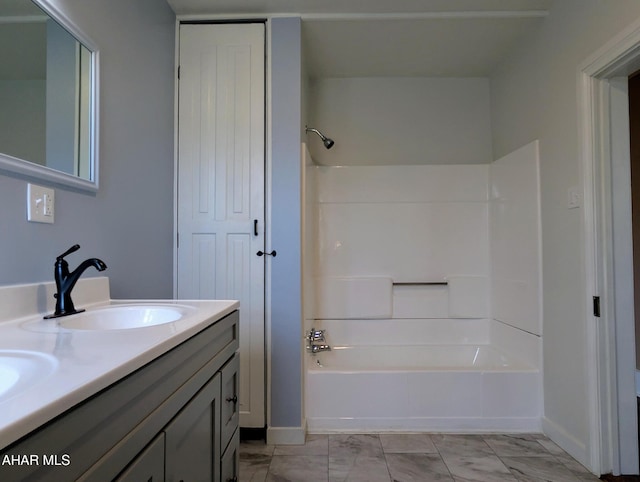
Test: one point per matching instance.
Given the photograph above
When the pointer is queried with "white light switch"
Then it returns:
(40, 204)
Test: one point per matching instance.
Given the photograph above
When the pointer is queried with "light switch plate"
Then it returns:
(40, 204)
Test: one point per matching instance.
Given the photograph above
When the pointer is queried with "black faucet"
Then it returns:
(65, 281)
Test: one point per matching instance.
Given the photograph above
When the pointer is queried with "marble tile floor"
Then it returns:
(411, 457)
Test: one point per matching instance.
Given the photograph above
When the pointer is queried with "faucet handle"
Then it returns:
(72, 249)
(315, 335)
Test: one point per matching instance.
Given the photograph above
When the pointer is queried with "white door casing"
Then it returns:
(612, 445)
(220, 185)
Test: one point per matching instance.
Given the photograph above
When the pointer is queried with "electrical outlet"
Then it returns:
(40, 204)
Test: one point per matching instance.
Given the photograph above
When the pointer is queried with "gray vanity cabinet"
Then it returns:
(229, 413)
(230, 461)
(229, 419)
(193, 438)
(189, 448)
(168, 421)
(148, 466)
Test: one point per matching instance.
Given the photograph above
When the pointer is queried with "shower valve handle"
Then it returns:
(315, 335)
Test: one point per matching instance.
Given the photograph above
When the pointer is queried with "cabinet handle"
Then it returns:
(255, 227)
(233, 399)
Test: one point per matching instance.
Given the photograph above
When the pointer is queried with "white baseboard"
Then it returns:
(566, 441)
(286, 435)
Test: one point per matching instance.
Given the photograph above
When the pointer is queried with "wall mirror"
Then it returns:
(48, 95)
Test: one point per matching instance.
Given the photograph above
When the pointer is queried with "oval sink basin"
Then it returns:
(123, 317)
(20, 369)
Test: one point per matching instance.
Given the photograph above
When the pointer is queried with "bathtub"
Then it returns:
(434, 388)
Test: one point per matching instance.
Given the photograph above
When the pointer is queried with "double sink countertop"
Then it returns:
(46, 368)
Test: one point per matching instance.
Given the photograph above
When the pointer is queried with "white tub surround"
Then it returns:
(399, 331)
(516, 343)
(83, 361)
(348, 298)
(468, 296)
(516, 253)
(410, 225)
(460, 350)
(408, 242)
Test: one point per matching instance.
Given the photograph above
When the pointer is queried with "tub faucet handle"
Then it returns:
(315, 335)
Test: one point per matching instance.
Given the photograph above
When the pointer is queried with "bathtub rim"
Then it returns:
(516, 364)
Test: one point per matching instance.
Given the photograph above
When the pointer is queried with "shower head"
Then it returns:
(328, 143)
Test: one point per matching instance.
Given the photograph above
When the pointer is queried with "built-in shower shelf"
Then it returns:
(420, 283)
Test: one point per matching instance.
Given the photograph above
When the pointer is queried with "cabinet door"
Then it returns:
(148, 466)
(229, 414)
(230, 463)
(192, 438)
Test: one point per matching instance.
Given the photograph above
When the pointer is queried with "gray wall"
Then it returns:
(401, 120)
(129, 222)
(286, 271)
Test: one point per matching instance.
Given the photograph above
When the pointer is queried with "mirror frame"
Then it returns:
(43, 173)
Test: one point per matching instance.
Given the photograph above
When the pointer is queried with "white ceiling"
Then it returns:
(366, 38)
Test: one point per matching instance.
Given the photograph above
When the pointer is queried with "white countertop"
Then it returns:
(84, 362)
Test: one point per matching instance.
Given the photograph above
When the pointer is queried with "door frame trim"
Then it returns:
(619, 57)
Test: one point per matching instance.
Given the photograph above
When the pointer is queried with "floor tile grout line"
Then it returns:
(516, 474)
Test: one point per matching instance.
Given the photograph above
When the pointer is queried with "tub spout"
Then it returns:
(313, 348)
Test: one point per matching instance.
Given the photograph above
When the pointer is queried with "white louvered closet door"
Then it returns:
(221, 185)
